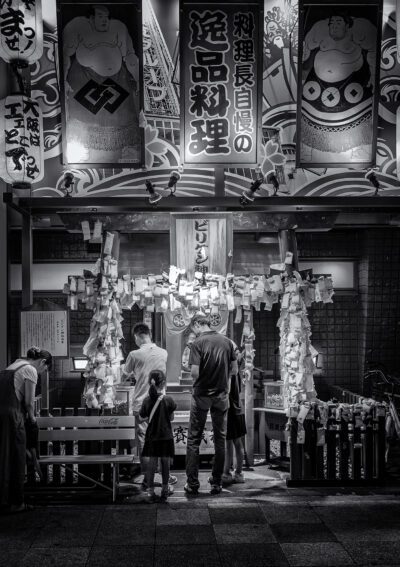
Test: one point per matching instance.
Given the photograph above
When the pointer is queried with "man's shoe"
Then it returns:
(172, 479)
(238, 478)
(216, 487)
(227, 478)
(190, 489)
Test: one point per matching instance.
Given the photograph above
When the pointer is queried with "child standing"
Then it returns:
(159, 441)
(236, 429)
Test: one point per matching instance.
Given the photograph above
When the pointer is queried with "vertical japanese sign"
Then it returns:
(338, 83)
(201, 242)
(21, 145)
(221, 80)
(46, 329)
(21, 30)
(100, 49)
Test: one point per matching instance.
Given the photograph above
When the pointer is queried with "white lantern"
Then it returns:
(21, 140)
(21, 30)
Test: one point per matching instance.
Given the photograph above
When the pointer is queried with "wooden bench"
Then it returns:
(93, 428)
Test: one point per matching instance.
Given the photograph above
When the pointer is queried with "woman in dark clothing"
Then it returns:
(17, 395)
(159, 441)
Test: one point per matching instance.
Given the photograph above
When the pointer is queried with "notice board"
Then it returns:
(47, 330)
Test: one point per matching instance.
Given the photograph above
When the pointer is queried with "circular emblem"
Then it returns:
(311, 90)
(215, 320)
(353, 93)
(330, 97)
(178, 320)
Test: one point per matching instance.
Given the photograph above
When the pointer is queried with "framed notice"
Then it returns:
(100, 47)
(338, 83)
(221, 82)
(47, 330)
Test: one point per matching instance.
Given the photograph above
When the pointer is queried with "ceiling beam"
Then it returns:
(93, 204)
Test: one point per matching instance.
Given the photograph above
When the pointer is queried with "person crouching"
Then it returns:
(159, 441)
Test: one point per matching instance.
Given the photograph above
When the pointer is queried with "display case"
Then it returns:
(123, 403)
(274, 398)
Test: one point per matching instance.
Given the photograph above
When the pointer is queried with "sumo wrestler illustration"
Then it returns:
(338, 75)
(101, 78)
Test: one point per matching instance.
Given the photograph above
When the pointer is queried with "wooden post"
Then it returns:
(249, 405)
(27, 297)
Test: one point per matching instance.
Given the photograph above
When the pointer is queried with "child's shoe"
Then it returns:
(165, 492)
(238, 478)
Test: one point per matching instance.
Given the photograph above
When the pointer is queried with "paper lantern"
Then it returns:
(21, 30)
(21, 140)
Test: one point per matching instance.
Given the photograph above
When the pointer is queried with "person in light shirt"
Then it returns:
(139, 364)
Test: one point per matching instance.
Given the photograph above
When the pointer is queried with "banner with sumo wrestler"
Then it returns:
(338, 83)
(100, 57)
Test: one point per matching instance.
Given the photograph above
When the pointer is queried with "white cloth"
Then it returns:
(141, 362)
(26, 372)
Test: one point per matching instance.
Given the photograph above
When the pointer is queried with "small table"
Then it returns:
(272, 426)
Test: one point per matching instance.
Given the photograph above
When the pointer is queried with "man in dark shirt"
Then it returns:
(212, 361)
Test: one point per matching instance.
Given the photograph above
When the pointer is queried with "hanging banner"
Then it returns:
(100, 48)
(198, 243)
(221, 82)
(202, 242)
(338, 83)
(47, 330)
(21, 140)
(21, 30)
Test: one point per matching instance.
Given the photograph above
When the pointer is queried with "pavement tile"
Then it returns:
(138, 556)
(184, 535)
(368, 533)
(252, 555)
(237, 514)
(243, 533)
(124, 534)
(374, 553)
(25, 520)
(69, 528)
(382, 512)
(289, 514)
(49, 557)
(187, 555)
(181, 517)
(136, 515)
(322, 554)
(11, 557)
(340, 514)
(290, 533)
(11, 538)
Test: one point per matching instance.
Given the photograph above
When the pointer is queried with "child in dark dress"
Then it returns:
(159, 441)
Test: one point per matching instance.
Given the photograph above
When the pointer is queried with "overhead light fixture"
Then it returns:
(69, 182)
(248, 195)
(372, 178)
(273, 180)
(173, 180)
(154, 197)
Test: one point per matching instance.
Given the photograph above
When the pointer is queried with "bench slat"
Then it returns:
(89, 421)
(87, 459)
(86, 434)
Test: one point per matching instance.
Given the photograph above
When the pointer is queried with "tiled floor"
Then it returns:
(261, 523)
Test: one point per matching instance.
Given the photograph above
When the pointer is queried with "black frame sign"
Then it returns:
(338, 83)
(221, 82)
(101, 71)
